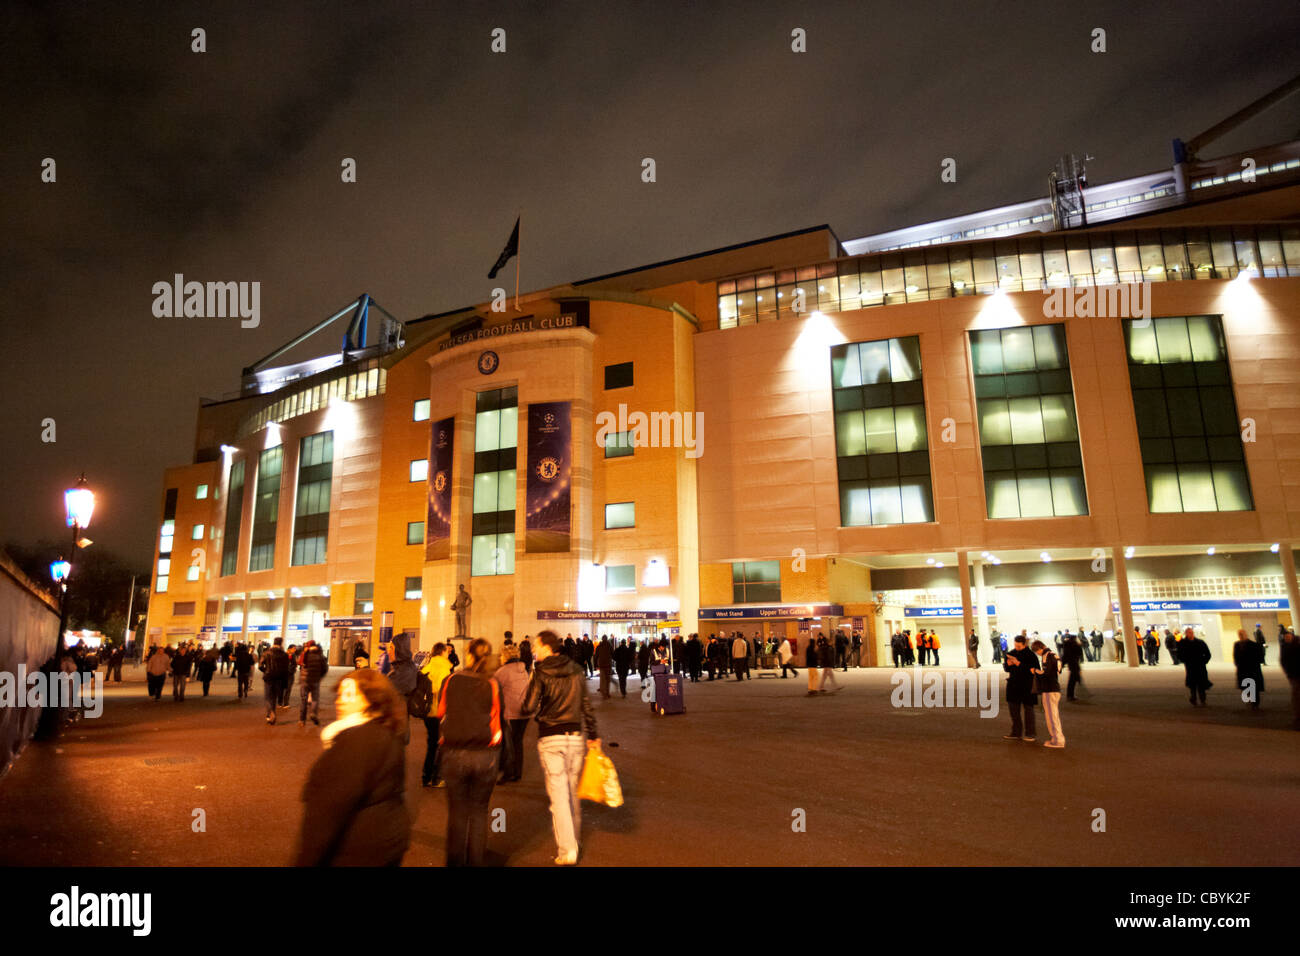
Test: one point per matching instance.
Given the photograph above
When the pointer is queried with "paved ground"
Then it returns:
(719, 785)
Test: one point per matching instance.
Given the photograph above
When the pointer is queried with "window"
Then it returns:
(1029, 433)
(192, 573)
(166, 537)
(420, 469)
(1188, 428)
(196, 533)
(618, 376)
(620, 515)
(421, 411)
(618, 444)
(880, 434)
(200, 492)
(266, 509)
(415, 532)
(234, 515)
(162, 585)
(311, 521)
(756, 582)
(496, 436)
(414, 589)
(364, 599)
(620, 577)
(182, 608)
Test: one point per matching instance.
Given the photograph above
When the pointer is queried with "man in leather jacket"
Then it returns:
(557, 698)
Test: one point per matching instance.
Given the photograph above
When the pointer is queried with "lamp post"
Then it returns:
(79, 504)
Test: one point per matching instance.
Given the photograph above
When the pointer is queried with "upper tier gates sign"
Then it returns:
(529, 323)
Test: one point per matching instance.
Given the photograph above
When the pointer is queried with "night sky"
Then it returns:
(225, 166)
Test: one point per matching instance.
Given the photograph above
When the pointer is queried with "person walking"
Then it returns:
(513, 680)
(826, 660)
(1288, 653)
(469, 716)
(207, 667)
(354, 805)
(841, 651)
(1195, 654)
(785, 653)
(557, 699)
(624, 655)
(604, 655)
(182, 661)
(437, 668)
(995, 642)
(1248, 657)
(1071, 657)
(292, 655)
(226, 653)
(314, 668)
(973, 643)
(157, 666)
(643, 660)
(115, 663)
(274, 666)
(811, 665)
(1019, 665)
(1048, 683)
(694, 661)
(740, 656)
(243, 663)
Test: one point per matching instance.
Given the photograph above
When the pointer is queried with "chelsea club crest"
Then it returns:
(488, 362)
(548, 468)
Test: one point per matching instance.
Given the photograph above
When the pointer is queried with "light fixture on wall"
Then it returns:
(1210, 550)
(1128, 552)
(1275, 548)
(929, 560)
(1047, 558)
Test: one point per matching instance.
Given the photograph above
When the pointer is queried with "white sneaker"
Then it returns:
(566, 859)
(1054, 745)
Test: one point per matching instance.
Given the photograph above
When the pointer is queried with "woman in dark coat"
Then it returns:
(1194, 654)
(354, 811)
(1249, 658)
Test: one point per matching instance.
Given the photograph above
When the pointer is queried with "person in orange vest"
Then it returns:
(922, 648)
(934, 648)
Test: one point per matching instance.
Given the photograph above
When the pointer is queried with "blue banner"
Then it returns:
(1209, 604)
(947, 611)
(437, 523)
(773, 610)
(546, 523)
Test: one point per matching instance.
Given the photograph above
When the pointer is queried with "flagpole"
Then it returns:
(518, 219)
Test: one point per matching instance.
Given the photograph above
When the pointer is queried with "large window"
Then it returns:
(234, 515)
(756, 582)
(413, 589)
(311, 523)
(618, 444)
(620, 577)
(1186, 415)
(420, 412)
(496, 437)
(880, 434)
(364, 600)
(166, 538)
(415, 532)
(266, 509)
(618, 376)
(621, 514)
(1029, 436)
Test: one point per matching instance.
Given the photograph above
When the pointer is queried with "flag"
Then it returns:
(511, 249)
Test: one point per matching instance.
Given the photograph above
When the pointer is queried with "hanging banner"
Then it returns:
(437, 524)
(546, 524)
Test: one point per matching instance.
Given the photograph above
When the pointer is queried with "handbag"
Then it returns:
(599, 782)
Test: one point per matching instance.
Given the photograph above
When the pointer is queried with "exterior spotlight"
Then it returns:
(938, 564)
(1210, 550)
(929, 560)
(997, 560)
(1047, 558)
(1128, 552)
(1275, 548)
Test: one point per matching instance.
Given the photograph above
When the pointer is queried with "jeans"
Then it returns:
(310, 692)
(1075, 680)
(272, 689)
(562, 757)
(244, 682)
(286, 691)
(622, 682)
(470, 776)
(512, 763)
(429, 773)
(1017, 728)
(178, 686)
(155, 683)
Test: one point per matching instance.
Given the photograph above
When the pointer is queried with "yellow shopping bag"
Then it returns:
(599, 782)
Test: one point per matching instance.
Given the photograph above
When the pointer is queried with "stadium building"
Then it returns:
(1083, 410)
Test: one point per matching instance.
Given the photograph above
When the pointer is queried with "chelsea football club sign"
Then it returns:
(488, 362)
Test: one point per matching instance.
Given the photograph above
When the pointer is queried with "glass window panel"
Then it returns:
(846, 371)
(1002, 495)
(1184, 412)
(415, 532)
(483, 554)
(620, 577)
(1018, 349)
(506, 490)
(1049, 346)
(1171, 338)
(420, 469)
(936, 269)
(850, 434)
(1035, 490)
(1231, 489)
(762, 571)
(855, 505)
(880, 430)
(1054, 264)
(1031, 264)
(1197, 486)
(891, 272)
(506, 553)
(1219, 411)
(745, 303)
(995, 422)
(886, 504)
(1126, 257)
(846, 399)
(485, 492)
(1058, 418)
(1152, 415)
(1175, 256)
(916, 499)
(1142, 343)
(1103, 259)
(960, 269)
(1200, 261)
(1067, 493)
(1203, 331)
(986, 347)
(1026, 420)
(874, 357)
(509, 427)
(421, 410)
(986, 273)
(620, 515)
(201, 492)
(1152, 255)
(871, 284)
(909, 426)
(1079, 258)
(1225, 261)
(487, 430)
(905, 359)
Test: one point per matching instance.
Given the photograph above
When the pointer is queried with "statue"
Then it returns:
(461, 607)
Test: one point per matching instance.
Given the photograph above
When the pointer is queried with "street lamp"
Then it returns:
(79, 503)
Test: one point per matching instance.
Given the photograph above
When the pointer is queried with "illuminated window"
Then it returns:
(415, 532)
(420, 469)
(196, 533)
(620, 515)
(201, 492)
(496, 437)
(620, 577)
(421, 411)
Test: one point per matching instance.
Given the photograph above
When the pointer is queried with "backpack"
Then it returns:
(420, 701)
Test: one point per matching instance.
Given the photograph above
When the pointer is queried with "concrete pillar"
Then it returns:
(1125, 607)
(221, 620)
(967, 618)
(981, 607)
(284, 617)
(1288, 577)
(243, 624)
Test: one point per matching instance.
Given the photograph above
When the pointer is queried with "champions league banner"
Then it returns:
(437, 526)
(549, 464)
